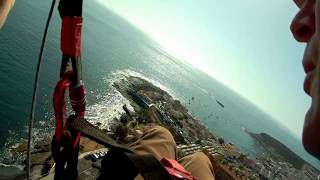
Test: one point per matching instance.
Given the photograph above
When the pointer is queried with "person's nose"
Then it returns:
(303, 25)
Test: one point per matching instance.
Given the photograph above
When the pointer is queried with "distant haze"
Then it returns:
(247, 45)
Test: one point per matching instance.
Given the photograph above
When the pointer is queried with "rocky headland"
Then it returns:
(278, 150)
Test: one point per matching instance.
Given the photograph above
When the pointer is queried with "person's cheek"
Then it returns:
(315, 89)
(316, 77)
(311, 129)
(316, 93)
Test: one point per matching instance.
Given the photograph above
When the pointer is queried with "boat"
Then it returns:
(220, 103)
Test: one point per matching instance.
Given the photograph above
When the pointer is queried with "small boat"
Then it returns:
(222, 105)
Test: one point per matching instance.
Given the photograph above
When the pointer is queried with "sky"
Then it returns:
(245, 44)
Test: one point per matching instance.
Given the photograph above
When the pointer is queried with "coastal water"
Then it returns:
(111, 47)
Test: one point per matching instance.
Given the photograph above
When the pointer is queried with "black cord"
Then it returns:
(35, 89)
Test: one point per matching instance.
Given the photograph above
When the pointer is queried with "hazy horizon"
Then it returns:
(246, 46)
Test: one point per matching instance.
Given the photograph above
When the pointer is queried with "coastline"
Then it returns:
(150, 104)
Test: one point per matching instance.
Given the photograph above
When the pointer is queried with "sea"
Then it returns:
(113, 47)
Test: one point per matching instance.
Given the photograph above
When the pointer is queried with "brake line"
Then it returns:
(35, 90)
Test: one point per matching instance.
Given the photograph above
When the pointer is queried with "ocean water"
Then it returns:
(112, 47)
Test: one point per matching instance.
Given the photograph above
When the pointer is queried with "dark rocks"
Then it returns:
(11, 173)
(20, 147)
(221, 140)
(40, 158)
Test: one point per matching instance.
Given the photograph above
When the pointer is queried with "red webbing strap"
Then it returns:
(71, 36)
(176, 170)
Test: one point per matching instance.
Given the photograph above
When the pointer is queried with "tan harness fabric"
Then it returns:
(160, 142)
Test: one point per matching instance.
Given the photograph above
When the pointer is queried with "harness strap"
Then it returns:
(88, 130)
(175, 169)
(71, 35)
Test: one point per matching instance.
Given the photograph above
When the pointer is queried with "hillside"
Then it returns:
(279, 150)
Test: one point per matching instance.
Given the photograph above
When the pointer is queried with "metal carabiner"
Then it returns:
(76, 68)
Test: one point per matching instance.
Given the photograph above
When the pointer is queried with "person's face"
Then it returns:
(305, 28)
